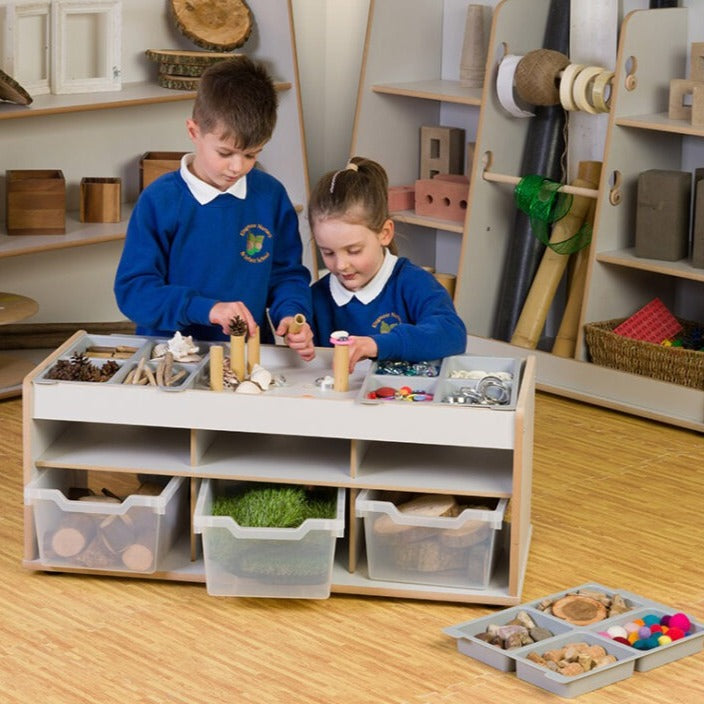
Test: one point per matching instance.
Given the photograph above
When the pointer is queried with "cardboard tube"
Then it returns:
(341, 367)
(217, 355)
(237, 356)
(299, 320)
(253, 350)
(552, 266)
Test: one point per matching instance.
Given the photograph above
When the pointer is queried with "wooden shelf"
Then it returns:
(660, 122)
(442, 90)
(626, 257)
(410, 217)
(78, 234)
(132, 94)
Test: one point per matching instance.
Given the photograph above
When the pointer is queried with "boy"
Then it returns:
(217, 239)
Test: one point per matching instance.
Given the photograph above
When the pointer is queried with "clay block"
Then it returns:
(443, 197)
(680, 106)
(696, 63)
(36, 202)
(154, 164)
(401, 198)
(698, 227)
(662, 214)
(100, 199)
(441, 151)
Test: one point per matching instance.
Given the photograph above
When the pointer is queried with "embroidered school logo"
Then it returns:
(254, 238)
(386, 322)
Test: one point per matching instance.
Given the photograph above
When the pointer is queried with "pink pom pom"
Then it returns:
(680, 620)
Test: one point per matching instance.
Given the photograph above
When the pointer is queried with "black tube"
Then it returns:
(542, 154)
(658, 4)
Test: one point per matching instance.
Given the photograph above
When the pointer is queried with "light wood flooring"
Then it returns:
(616, 500)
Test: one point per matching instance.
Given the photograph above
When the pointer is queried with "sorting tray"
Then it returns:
(447, 390)
(630, 658)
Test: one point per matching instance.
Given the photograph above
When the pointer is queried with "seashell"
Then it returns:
(159, 350)
(181, 346)
(261, 376)
(248, 387)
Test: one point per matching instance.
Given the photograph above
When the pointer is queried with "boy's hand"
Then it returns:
(361, 348)
(301, 341)
(223, 312)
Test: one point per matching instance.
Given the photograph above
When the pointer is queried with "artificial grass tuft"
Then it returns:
(275, 506)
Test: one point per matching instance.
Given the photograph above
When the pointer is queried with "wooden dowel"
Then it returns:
(299, 320)
(515, 180)
(217, 354)
(253, 350)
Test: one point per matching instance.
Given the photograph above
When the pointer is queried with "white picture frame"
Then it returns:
(86, 46)
(25, 43)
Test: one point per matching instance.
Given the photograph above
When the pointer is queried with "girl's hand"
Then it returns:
(301, 341)
(361, 348)
(223, 312)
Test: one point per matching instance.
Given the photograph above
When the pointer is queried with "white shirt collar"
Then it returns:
(367, 293)
(203, 192)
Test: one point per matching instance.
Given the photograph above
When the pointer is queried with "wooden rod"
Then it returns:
(515, 180)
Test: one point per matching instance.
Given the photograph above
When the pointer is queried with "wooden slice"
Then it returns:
(137, 558)
(12, 91)
(579, 610)
(178, 57)
(188, 70)
(213, 24)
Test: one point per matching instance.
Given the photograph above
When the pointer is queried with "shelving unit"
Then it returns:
(105, 134)
(298, 434)
(639, 137)
(410, 78)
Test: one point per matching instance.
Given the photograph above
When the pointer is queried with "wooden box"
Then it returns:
(154, 164)
(100, 199)
(36, 202)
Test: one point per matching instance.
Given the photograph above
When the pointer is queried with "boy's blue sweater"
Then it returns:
(181, 257)
(412, 319)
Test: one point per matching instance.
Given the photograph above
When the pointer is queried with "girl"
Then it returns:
(391, 308)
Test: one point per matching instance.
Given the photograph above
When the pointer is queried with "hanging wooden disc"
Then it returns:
(12, 91)
(213, 24)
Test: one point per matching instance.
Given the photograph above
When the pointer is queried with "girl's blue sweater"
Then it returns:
(412, 319)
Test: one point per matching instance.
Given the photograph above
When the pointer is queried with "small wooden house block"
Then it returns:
(36, 202)
(100, 200)
(444, 197)
(441, 151)
(401, 198)
(154, 164)
(681, 97)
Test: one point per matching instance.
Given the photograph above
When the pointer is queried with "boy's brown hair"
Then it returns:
(238, 96)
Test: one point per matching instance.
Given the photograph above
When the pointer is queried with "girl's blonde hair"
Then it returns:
(357, 194)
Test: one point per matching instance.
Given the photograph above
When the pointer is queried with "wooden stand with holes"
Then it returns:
(294, 435)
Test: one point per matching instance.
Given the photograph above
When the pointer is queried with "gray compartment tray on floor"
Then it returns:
(630, 659)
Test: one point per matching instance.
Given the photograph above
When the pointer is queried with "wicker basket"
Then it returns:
(673, 364)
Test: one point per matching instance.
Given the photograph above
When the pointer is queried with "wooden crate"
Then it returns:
(36, 202)
(154, 164)
(100, 199)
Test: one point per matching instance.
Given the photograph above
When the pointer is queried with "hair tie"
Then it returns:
(351, 166)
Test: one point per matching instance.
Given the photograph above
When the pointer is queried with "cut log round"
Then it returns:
(177, 82)
(213, 24)
(138, 558)
(12, 91)
(181, 57)
(579, 610)
(73, 535)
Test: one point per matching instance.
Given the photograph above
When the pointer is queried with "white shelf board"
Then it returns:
(660, 122)
(681, 269)
(440, 89)
(410, 217)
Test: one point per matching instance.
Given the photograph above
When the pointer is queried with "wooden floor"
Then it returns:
(616, 500)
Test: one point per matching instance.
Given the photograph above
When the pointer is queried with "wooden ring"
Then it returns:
(566, 82)
(581, 88)
(600, 96)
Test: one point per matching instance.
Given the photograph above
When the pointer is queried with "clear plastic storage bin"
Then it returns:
(128, 536)
(266, 562)
(455, 551)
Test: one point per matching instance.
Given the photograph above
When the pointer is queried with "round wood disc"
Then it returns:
(213, 24)
(12, 91)
(579, 610)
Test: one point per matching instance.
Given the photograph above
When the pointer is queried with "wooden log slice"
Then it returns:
(188, 70)
(73, 535)
(579, 610)
(12, 91)
(213, 24)
(138, 558)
